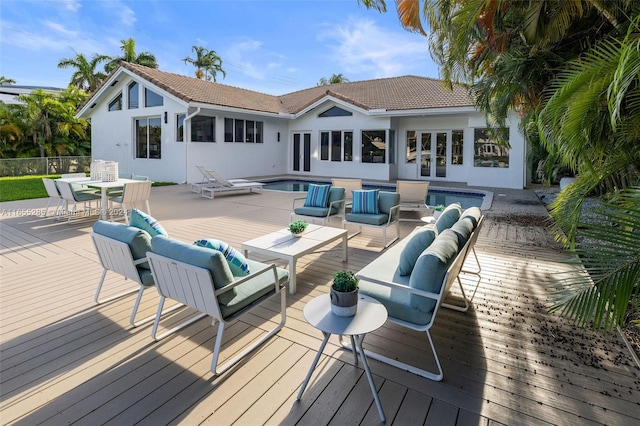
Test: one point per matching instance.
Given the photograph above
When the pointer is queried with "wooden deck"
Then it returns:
(65, 360)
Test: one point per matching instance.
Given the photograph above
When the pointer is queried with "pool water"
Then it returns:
(434, 196)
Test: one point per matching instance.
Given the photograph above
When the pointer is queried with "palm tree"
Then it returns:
(85, 77)
(6, 81)
(334, 79)
(208, 64)
(129, 54)
(570, 69)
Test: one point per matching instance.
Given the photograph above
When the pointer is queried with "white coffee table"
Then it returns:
(370, 316)
(282, 245)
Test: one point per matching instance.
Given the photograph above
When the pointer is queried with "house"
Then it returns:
(162, 125)
(9, 92)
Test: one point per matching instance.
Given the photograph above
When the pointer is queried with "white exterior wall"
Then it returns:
(113, 134)
(311, 123)
(508, 177)
(514, 176)
(239, 160)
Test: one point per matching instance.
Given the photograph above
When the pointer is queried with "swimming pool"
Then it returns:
(435, 196)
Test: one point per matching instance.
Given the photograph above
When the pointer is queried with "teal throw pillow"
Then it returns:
(416, 245)
(237, 262)
(146, 222)
(365, 202)
(449, 216)
(317, 195)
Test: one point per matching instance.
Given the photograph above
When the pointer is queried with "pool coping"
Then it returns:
(487, 199)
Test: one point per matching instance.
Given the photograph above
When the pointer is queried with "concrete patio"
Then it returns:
(66, 360)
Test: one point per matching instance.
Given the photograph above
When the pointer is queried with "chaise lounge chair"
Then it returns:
(220, 184)
(413, 195)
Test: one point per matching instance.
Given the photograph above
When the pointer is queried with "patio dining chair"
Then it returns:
(54, 194)
(132, 194)
(73, 194)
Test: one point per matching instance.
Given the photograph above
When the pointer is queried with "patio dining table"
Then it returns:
(104, 186)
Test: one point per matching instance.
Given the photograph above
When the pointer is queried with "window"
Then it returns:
(324, 146)
(348, 146)
(374, 146)
(203, 129)
(487, 151)
(133, 95)
(412, 146)
(148, 137)
(335, 112)
(116, 104)
(333, 144)
(336, 146)
(248, 131)
(180, 127)
(152, 99)
(457, 144)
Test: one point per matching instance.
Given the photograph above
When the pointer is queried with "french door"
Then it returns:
(433, 154)
(302, 152)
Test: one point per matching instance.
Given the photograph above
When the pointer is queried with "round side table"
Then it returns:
(370, 316)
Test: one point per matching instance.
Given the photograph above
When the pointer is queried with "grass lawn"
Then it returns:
(28, 187)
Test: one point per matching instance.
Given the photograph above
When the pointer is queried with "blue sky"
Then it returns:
(269, 46)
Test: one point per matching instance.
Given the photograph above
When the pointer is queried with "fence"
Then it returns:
(44, 165)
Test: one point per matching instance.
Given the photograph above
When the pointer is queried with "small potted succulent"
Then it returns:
(437, 211)
(344, 294)
(297, 227)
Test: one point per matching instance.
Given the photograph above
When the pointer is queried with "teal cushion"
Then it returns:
(416, 245)
(147, 222)
(317, 195)
(396, 301)
(235, 259)
(474, 213)
(368, 219)
(138, 240)
(211, 260)
(449, 216)
(365, 202)
(253, 289)
(335, 194)
(463, 229)
(387, 200)
(312, 211)
(431, 267)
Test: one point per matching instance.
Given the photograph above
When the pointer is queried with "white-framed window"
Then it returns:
(133, 92)
(203, 129)
(152, 99)
(148, 137)
(336, 145)
(487, 152)
(457, 147)
(180, 127)
(243, 131)
(374, 146)
(116, 104)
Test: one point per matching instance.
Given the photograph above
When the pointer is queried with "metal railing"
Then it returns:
(44, 165)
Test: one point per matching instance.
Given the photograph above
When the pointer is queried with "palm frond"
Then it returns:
(609, 252)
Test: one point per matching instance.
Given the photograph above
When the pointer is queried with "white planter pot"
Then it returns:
(566, 181)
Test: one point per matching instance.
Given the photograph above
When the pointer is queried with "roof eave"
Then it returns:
(235, 109)
(422, 111)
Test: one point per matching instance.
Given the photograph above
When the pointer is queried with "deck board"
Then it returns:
(505, 361)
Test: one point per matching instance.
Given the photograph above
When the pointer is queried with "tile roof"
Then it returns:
(391, 94)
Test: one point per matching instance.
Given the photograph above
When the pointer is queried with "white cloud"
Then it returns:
(71, 5)
(362, 47)
(60, 30)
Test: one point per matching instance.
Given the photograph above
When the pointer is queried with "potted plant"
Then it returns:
(437, 211)
(344, 294)
(297, 227)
